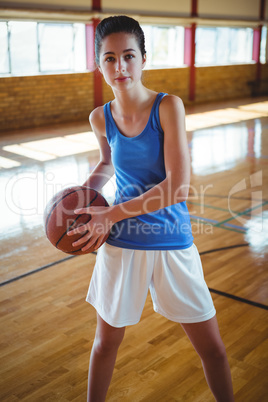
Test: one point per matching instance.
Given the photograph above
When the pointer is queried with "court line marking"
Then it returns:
(225, 209)
(239, 299)
(214, 250)
(201, 218)
(243, 213)
(219, 292)
(16, 278)
(223, 224)
(207, 221)
(34, 271)
(234, 226)
(208, 206)
(226, 196)
(229, 295)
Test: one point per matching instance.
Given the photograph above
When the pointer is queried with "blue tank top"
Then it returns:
(139, 165)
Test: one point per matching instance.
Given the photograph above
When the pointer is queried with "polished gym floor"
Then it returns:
(47, 328)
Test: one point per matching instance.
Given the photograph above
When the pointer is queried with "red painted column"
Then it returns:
(187, 46)
(192, 65)
(96, 5)
(194, 8)
(90, 51)
(189, 51)
(91, 65)
(256, 51)
(90, 56)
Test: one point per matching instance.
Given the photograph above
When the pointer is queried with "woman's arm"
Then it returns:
(104, 169)
(173, 189)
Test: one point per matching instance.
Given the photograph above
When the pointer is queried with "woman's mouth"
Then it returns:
(121, 79)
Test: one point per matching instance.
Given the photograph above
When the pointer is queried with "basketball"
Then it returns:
(59, 217)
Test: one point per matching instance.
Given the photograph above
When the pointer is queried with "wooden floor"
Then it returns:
(47, 328)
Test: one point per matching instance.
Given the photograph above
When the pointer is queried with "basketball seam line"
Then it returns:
(78, 216)
(54, 206)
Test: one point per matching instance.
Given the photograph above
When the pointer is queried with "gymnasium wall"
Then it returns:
(229, 9)
(49, 4)
(48, 99)
(224, 82)
(172, 80)
(45, 99)
(150, 7)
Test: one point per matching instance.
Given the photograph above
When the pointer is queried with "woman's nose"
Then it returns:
(120, 66)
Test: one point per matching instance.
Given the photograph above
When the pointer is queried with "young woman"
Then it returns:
(142, 140)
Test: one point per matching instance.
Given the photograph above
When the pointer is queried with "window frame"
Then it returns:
(39, 70)
(228, 62)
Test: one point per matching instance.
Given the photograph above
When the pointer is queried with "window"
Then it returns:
(164, 46)
(263, 44)
(4, 53)
(219, 46)
(56, 47)
(31, 48)
(23, 47)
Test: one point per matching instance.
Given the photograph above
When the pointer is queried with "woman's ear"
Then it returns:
(143, 60)
(99, 68)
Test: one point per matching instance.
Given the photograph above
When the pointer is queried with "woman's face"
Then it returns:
(121, 61)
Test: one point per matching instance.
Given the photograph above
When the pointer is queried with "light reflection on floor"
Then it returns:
(221, 148)
(218, 117)
(219, 140)
(28, 191)
(48, 149)
(257, 233)
(52, 148)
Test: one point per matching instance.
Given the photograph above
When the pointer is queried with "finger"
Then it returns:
(99, 242)
(90, 244)
(82, 240)
(81, 211)
(79, 229)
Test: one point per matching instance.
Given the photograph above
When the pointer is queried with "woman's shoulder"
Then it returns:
(171, 107)
(171, 101)
(97, 120)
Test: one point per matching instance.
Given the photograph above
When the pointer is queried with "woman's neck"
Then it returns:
(128, 103)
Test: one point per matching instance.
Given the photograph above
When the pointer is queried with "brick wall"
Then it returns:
(212, 83)
(263, 90)
(224, 82)
(47, 99)
(264, 71)
(173, 81)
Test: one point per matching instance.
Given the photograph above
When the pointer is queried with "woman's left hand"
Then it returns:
(96, 229)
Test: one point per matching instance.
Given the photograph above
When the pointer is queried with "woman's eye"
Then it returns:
(129, 56)
(110, 59)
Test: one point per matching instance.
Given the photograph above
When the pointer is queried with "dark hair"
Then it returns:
(116, 24)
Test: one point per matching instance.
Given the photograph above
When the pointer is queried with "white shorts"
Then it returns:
(122, 277)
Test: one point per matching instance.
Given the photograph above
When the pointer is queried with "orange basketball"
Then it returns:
(59, 217)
